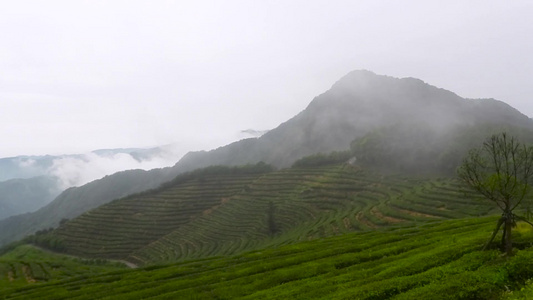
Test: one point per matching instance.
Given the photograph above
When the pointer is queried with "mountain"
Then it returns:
(18, 196)
(21, 167)
(278, 224)
(357, 104)
(416, 148)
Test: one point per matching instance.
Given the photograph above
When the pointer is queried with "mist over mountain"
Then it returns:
(358, 104)
(253, 132)
(24, 166)
(79, 169)
(30, 182)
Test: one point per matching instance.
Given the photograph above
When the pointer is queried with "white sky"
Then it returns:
(82, 75)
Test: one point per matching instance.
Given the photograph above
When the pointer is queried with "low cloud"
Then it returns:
(253, 132)
(81, 169)
(26, 163)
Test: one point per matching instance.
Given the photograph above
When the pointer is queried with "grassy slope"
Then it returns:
(439, 260)
(27, 265)
(225, 214)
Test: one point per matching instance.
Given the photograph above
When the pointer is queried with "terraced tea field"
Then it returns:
(231, 212)
(29, 265)
(120, 227)
(438, 260)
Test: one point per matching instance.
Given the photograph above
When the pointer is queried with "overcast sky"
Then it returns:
(82, 75)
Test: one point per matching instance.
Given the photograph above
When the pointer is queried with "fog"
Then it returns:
(77, 171)
(82, 75)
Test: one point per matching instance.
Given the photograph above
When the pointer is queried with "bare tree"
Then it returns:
(501, 171)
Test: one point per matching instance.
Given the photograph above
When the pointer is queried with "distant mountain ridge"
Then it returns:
(74, 201)
(26, 195)
(28, 183)
(358, 103)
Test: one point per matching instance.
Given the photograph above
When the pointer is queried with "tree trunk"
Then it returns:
(507, 232)
(504, 233)
(494, 233)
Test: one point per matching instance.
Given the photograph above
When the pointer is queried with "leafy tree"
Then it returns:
(501, 170)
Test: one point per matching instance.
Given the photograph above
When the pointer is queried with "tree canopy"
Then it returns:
(501, 170)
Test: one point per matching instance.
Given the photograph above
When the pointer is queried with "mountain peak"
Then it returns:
(368, 84)
(362, 77)
(368, 79)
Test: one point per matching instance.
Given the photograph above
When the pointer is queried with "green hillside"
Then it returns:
(310, 203)
(74, 201)
(117, 229)
(224, 211)
(29, 265)
(439, 260)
